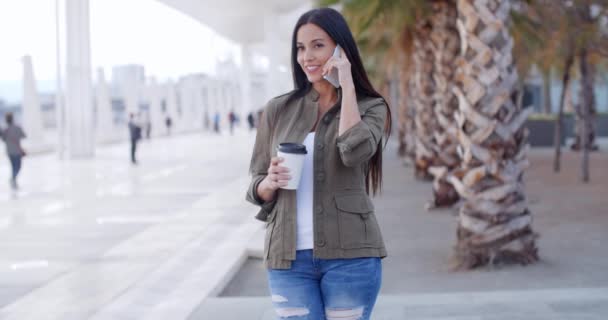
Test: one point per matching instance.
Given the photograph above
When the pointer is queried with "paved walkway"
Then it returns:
(571, 218)
(101, 239)
(556, 304)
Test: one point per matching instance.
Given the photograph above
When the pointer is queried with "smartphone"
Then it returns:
(332, 76)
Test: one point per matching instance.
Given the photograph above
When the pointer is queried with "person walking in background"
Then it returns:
(323, 242)
(12, 136)
(250, 121)
(231, 121)
(168, 123)
(135, 135)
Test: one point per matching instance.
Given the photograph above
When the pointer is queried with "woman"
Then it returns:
(323, 244)
(12, 136)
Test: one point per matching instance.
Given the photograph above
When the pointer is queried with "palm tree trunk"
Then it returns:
(495, 225)
(411, 119)
(559, 124)
(547, 91)
(422, 97)
(587, 102)
(406, 116)
(584, 131)
(446, 47)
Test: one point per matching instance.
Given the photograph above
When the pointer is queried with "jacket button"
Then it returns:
(319, 209)
(321, 242)
(320, 176)
(320, 146)
(326, 119)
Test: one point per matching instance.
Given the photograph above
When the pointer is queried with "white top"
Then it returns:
(304, 235)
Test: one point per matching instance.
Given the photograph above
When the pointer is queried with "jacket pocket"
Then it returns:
(356, 221)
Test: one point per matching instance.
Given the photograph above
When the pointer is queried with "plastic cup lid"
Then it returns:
(294, 148)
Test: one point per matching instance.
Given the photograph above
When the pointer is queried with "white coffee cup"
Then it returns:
(293, 155)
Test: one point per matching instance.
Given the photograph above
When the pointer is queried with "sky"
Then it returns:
(167, 42)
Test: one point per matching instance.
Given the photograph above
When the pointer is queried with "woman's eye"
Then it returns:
(319, 45)
(300, 48)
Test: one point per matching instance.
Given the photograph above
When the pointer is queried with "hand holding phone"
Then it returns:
(332, 76)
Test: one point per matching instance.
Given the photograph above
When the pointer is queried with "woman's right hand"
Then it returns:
(277, 177)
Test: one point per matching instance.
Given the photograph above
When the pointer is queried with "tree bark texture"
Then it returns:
(445, 42)
(422, 96)
(585, 132)
(495, 225)
(407, 141)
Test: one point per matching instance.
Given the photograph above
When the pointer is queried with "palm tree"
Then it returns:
(494, 222)
(446, 46)
(555, 45)
(423, 86)
(591, 31)
(384, 33)
(587, 45)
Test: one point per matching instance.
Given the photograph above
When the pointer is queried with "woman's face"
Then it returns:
(315, 47)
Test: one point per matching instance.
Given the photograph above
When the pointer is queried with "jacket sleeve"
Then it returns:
(359, 143)
(260, 161)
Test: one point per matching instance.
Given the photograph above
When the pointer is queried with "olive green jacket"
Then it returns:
(343, 219)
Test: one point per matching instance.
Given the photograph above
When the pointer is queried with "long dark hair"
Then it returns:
(334, 24)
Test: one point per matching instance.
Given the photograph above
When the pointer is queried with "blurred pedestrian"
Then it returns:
(231, 121)
(134, 135)
(251, 121)
(168, 124)
(12, 136)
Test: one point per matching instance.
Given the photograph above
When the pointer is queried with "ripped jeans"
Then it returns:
(319, 289)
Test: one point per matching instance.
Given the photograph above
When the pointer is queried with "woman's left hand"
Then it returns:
(341, 63)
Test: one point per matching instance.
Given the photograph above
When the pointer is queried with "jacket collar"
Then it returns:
(313, 97)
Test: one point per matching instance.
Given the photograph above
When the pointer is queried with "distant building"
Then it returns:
(128, 82)
(47, 106)
(124, 75)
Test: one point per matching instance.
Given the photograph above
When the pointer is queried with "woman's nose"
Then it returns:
(307, 55)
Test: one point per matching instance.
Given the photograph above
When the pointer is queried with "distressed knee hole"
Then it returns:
(292, 312)
(344, 313)
(278, 298)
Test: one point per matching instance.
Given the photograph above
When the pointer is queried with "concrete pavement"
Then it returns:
(101, 239)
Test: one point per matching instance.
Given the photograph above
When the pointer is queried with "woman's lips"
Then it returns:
(312, 69)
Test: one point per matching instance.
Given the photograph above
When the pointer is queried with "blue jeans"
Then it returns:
(319, 289)
(15, 165)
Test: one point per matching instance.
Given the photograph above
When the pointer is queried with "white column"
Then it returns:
(199, 104)
(59, 101)
(78, 98)
(271, 25)
(130, 91)
(214, 96)
(185, 103)
(156, 116)
(32, 115)
(105, 115)
(208, 110)
(193, 101)
(171, 104)
(223, 105)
